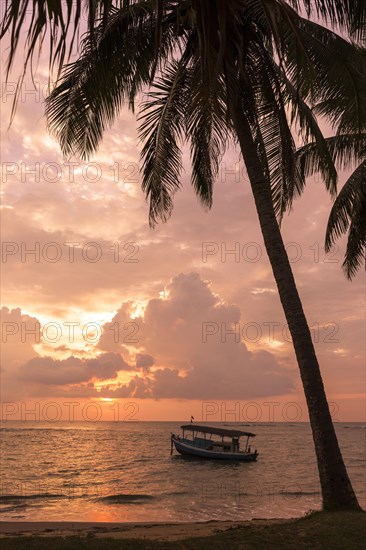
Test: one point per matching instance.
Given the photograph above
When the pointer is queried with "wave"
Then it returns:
(262, 425)
(17, 498)
(260, 495)
(298, 493)
(115, 468)
(255, 424)
(125, 498)
(177, 493)
(71, 428)
(14, 508)
(41, 429)
(355, 427)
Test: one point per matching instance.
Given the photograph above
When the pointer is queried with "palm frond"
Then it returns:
(111, 70)
(272, 130)
(346, 151)
(338, 83)
(356, 240)
(59, 22)
(207, 131)
(308, 50)
(348, 14)
(349, 214)
(302, 114)
(40, 16)
(280, 149)
(161, 126)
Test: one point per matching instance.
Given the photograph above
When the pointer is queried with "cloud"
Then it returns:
(169, 355)
(144, 361)
(52, 372)
(186, 364)
(19, 335)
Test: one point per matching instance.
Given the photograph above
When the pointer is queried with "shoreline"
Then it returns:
(322, 530)
(129, 530)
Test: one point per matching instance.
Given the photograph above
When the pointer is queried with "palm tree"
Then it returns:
(217, 71)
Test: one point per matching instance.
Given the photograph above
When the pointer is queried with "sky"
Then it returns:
(104, 318)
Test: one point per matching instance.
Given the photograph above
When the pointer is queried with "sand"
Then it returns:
(152, 531)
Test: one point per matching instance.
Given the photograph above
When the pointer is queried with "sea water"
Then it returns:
(123, 471)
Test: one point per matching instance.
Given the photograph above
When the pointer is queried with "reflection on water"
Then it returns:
(124, 472)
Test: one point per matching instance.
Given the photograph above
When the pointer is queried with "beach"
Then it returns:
(321, 530)
(153, 531)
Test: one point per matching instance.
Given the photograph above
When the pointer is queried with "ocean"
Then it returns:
(123, 471)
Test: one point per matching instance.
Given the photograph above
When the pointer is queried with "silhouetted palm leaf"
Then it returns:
(349, 215)
(349, 210)
(110, 71)
(162, 126)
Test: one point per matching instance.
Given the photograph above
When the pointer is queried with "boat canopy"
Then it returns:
(216, 431)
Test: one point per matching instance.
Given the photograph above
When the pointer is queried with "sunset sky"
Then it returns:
(143, 317)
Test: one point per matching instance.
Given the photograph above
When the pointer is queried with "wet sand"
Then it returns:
(152, 531)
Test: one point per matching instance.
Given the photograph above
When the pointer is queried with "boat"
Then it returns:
(212, 442)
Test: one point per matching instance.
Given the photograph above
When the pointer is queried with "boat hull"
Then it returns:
(190, 450)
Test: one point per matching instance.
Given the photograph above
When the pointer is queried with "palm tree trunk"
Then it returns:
(337, 491)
